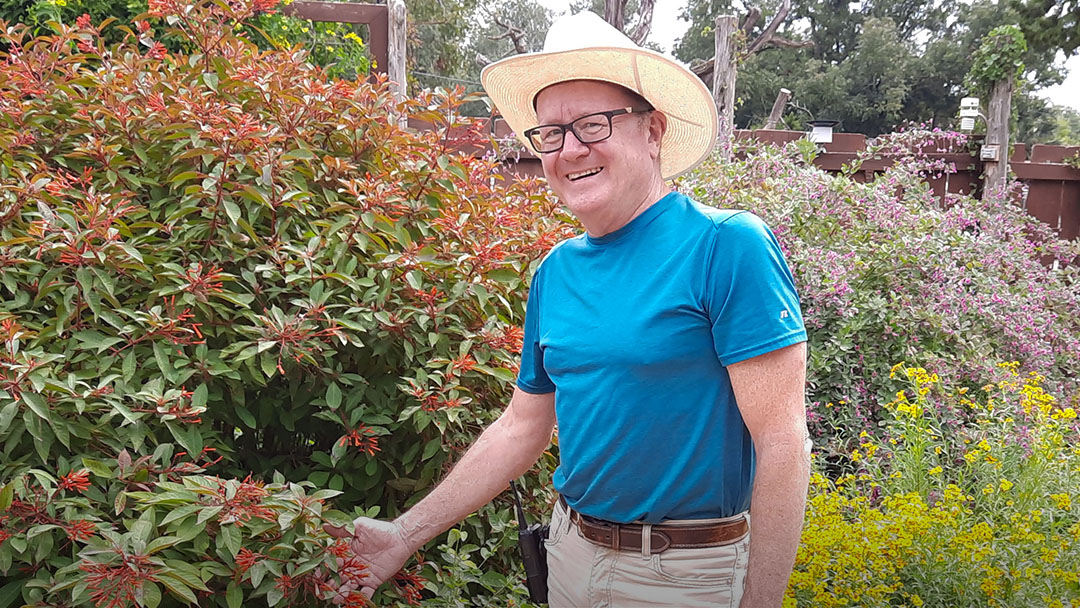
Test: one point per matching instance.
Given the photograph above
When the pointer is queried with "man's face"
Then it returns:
(599, 179)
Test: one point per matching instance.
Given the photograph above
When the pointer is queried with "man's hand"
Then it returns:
(379, 545)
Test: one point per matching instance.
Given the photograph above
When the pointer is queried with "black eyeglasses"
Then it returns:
(588, 129)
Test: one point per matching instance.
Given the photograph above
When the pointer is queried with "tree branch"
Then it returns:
(750, 21)
(515, 34)
(790, 44)
(770, 30)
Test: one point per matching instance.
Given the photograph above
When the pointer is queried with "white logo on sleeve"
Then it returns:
(783, 314)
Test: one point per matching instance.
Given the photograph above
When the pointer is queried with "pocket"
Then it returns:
(560, 522)
(705, 567)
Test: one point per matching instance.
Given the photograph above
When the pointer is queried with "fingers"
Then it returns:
(337, 531)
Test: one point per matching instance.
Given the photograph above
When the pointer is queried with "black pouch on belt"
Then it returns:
(531, 542)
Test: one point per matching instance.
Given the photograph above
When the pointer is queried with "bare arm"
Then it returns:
(505, 450)
(770, 391)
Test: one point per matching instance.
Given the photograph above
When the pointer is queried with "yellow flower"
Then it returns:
(1065, 414)
(1005, 485)
(935, 471)
(1063, 501)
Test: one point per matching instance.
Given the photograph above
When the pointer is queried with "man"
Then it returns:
(666, 341)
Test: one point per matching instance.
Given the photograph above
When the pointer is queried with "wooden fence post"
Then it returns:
(778, 109)
(997, 134)
(396, 51)
(724, 81)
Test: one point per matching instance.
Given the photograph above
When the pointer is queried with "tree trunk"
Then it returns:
(614, 13)
(778, 109)
(724, 81)
(644, 23)
(997, 134)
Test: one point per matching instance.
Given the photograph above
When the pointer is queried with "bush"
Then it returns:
(886, 274)
(983, 516)
(221, 269)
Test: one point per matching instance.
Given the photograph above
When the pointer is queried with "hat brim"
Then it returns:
(672, 89)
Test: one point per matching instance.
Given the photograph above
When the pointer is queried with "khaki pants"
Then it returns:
(584, 575)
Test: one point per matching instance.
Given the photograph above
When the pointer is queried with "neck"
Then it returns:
(609, 221)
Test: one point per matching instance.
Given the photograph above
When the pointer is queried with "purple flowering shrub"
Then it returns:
(889, 274)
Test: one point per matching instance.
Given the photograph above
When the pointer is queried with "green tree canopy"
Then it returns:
(878, 63)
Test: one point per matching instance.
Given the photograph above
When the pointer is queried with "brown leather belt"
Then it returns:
(628, 536)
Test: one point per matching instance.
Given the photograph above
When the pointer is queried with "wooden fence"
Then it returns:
(1053, 188)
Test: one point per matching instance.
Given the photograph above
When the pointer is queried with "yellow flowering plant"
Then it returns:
(946, 511)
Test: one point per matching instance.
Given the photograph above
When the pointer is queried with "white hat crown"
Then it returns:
(584, 30)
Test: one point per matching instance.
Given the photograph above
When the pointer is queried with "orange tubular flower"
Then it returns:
(75, 480)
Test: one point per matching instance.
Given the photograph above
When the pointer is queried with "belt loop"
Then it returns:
(646, 541)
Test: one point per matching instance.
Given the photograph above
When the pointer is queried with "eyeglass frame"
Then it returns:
(609, 114)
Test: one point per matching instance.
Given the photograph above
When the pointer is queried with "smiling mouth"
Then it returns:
(583, 174)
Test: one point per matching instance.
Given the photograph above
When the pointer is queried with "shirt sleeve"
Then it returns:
(532, 378)
(750, 292)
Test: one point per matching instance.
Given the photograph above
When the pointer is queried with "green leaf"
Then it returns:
(7, 415)
(211, 81)
(98, 468)
(180, 513)
(232, 210)
(245, 416)
(7, 496)
(37, 405)
(198, 396)
(268, 363)
(151, 595)
(11, 593)
(177, 587)
(186, 175)
(234, 596)
(504, 275)
(96, 339)
(333, 396)
(128, 367)
(299, 153)
(240, 299)
(274, 596)
(207, 513)
(230, 534)
(190, 439)
(162, 359)
(160, 543)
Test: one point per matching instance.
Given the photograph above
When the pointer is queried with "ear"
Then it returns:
(656, 128)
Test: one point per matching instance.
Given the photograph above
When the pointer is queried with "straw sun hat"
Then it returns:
(585, 47)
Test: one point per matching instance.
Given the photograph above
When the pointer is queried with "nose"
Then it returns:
(572, 146)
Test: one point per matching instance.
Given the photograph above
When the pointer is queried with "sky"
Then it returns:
(667, 28)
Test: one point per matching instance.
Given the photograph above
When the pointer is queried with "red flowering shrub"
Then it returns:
(223, 268)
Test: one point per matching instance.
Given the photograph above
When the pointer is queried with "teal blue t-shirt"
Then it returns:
(633, 332)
